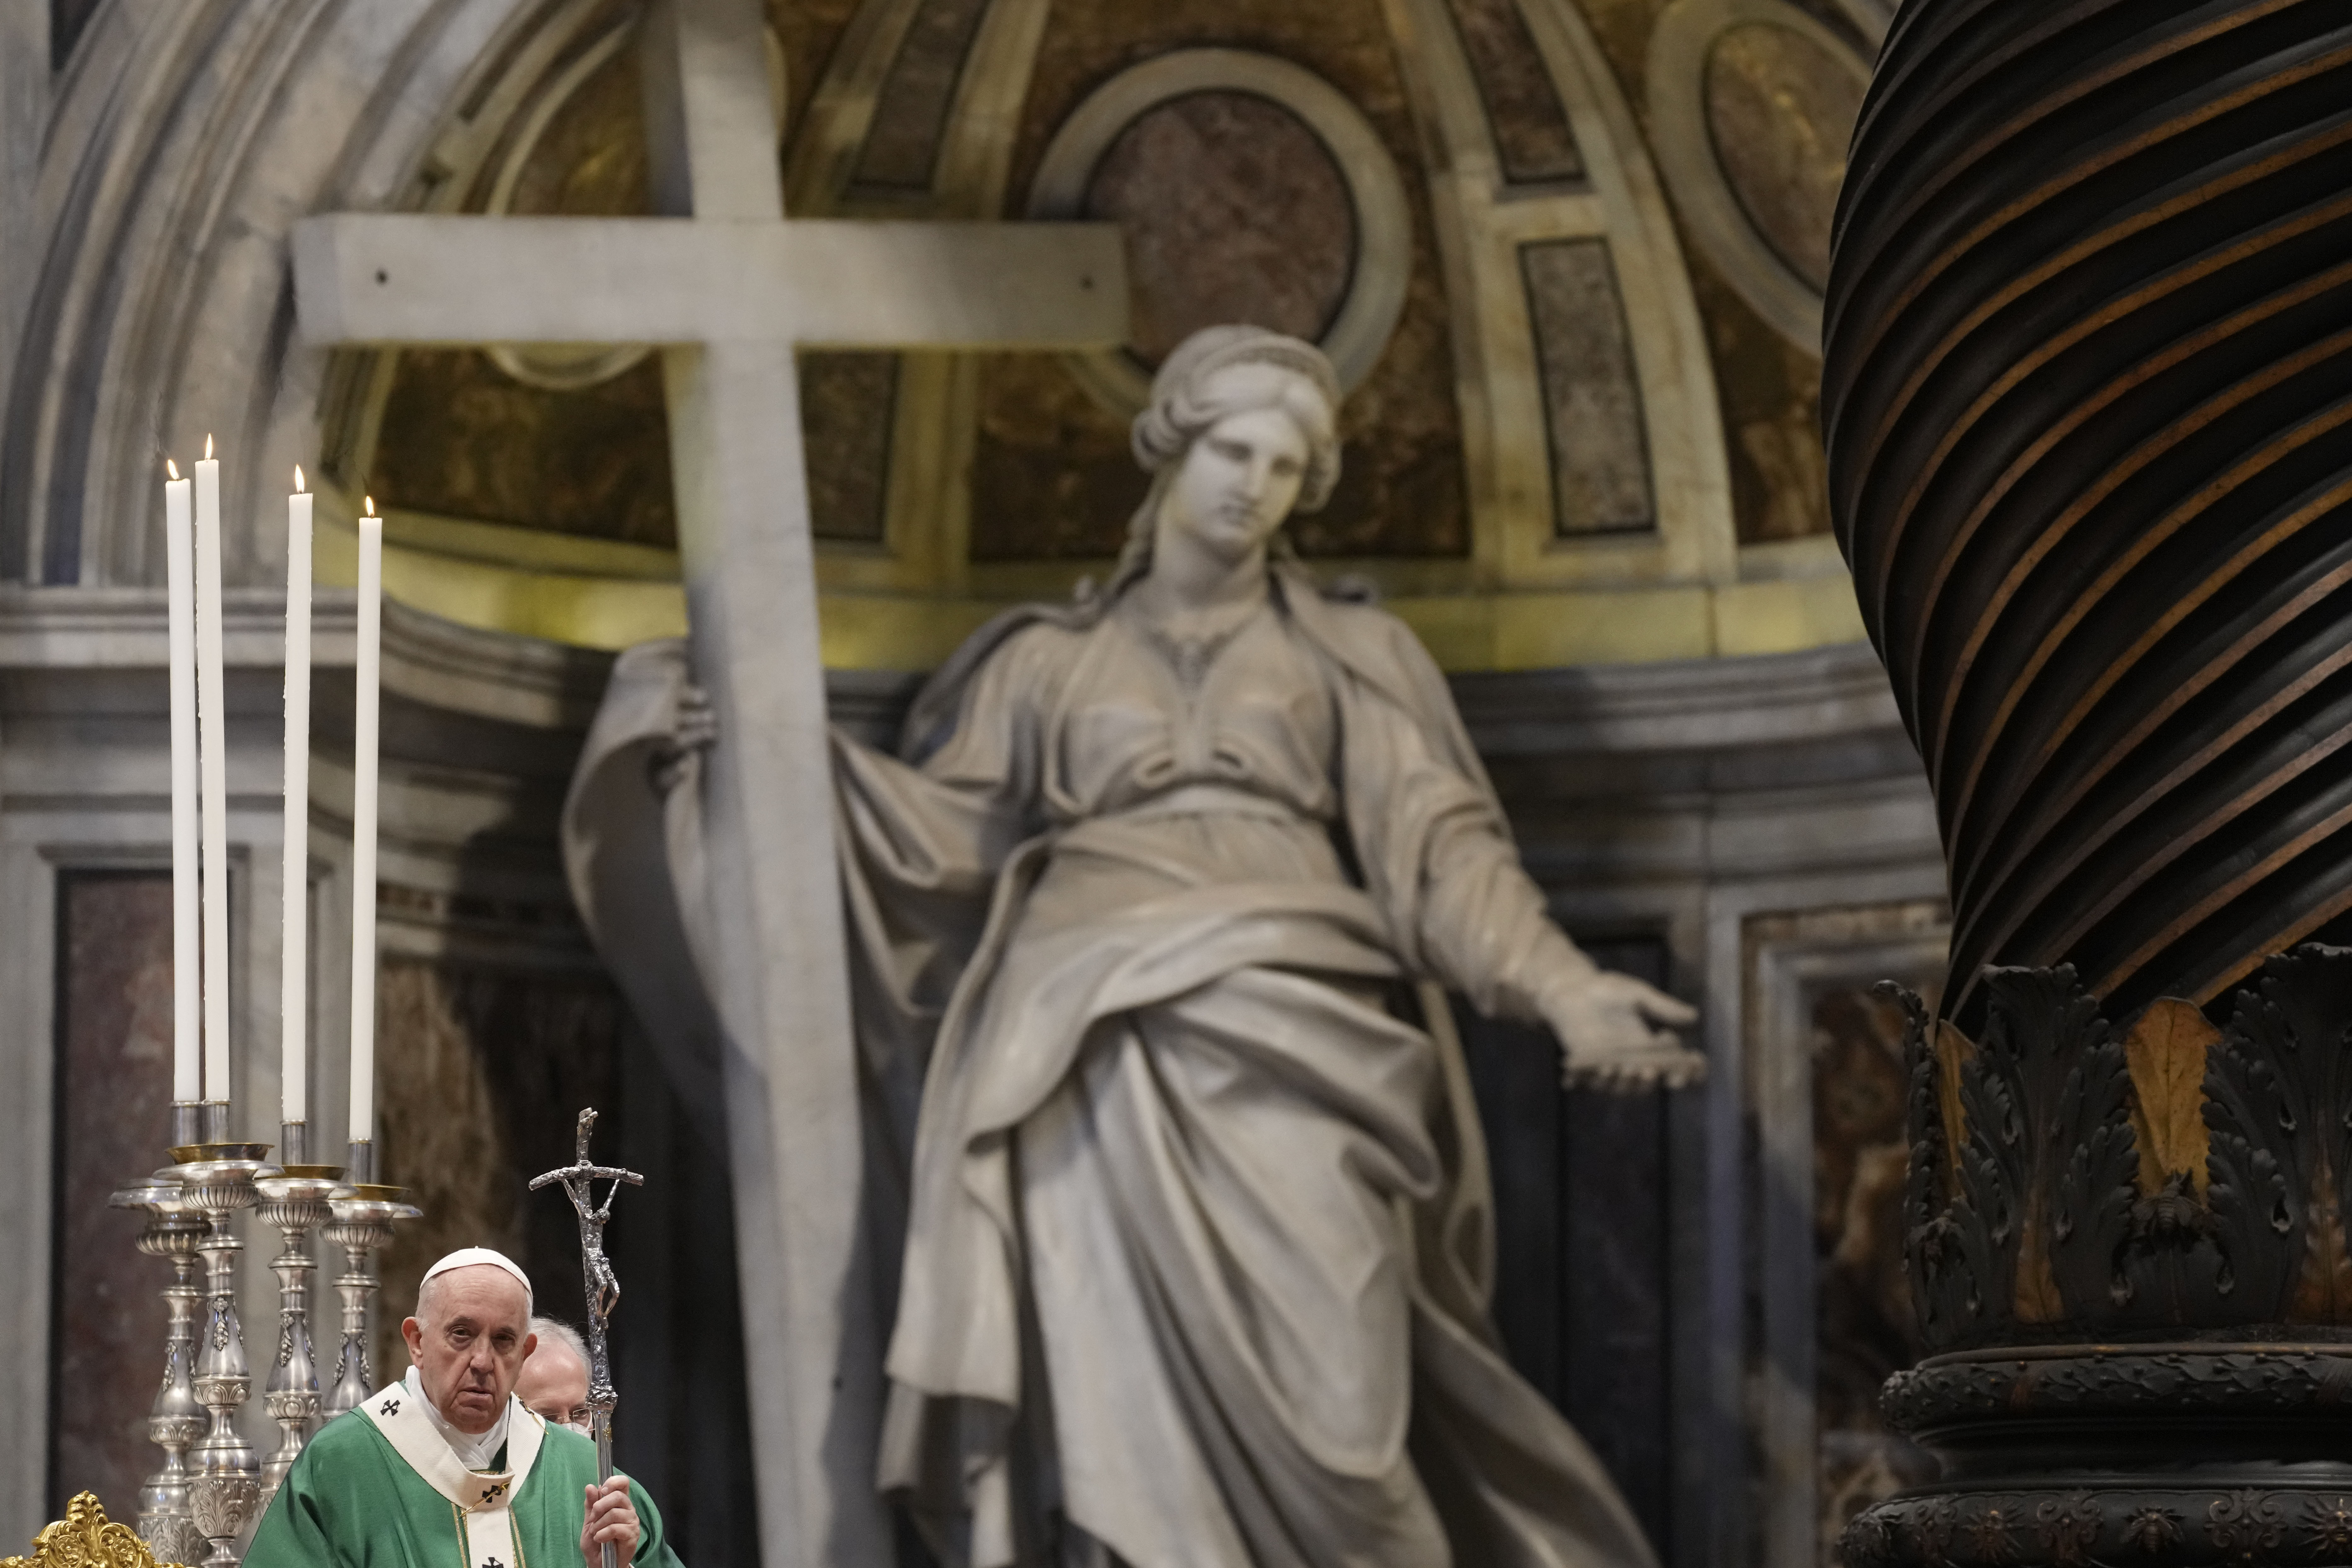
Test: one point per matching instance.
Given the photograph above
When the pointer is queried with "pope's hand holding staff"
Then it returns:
(447, 1467)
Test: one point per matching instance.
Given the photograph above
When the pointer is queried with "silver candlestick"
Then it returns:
(294, 1203)
(218, 1180)
(362, 1216)
(173, 1228)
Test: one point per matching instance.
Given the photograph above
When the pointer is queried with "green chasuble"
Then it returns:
(353, 1500)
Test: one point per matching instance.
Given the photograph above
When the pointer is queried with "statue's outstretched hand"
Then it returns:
(1618, 1032)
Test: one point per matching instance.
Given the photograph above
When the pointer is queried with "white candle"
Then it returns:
(293, 1009)
(212, 730)
(180, 599)
(363, 815)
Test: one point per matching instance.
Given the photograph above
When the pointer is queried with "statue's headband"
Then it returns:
(1166, 427)
(1214, 348)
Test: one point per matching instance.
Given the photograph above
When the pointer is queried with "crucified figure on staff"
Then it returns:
(579, 1180)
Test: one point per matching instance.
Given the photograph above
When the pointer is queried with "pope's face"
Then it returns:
(1241, 476)
(470, 1345)
(554, 1384)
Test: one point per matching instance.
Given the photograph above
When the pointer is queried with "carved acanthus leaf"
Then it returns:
(2167, 1050)
(2277, 1087)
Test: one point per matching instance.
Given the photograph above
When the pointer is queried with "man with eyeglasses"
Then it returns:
(553, 1382)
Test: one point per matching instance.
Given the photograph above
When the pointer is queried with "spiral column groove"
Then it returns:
(2088, 395)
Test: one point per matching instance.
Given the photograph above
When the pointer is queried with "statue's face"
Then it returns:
(1240, 478)
(468, 1343)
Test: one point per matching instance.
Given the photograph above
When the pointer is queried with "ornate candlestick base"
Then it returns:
(364, 1215)
(218, 1180)
(174, 1227)
(2124, 1247)
(2190, 1454)
(294, 1202)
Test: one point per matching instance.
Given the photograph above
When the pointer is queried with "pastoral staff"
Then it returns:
(447, 1467)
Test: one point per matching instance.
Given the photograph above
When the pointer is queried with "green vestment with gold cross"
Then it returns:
(370, 1492)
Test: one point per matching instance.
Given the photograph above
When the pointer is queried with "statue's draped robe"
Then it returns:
(1196, 1235)
(351, 1501)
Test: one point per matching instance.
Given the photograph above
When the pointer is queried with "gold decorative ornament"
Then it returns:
(86, 1538)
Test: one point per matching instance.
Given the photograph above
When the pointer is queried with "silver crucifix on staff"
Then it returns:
(579, 1179)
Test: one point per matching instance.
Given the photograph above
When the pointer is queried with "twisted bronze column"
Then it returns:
(2088, 391)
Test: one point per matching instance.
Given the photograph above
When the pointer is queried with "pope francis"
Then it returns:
(447, 1467)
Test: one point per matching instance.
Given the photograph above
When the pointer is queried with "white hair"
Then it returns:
(556, 1330)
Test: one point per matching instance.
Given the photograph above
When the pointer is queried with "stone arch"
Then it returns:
(185, 141)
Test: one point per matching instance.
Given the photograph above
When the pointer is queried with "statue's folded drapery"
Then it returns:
(1196, 1232)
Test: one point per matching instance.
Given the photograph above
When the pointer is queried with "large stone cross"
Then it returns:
(729, 290)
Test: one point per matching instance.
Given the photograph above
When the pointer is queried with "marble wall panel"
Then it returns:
(1770, 393)
(114, 1117)
(1052, 477)
(1768, 388)
(1600, 453)
(1779, 110)
(462, 439)
(1531, 128)
(481, 1074)
(1867, 1332)
(1232, 210)
(910, 116)
(807, 31)
(1829, 1314)
(846, 401)
(590, 158)
(1621, 28)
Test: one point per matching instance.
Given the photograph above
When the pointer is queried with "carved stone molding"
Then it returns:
(2267, 1381)
(2258, 1521)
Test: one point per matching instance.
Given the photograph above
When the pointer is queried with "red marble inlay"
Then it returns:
(114, 1090)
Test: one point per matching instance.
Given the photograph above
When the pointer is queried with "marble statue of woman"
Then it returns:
(1148, 911)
